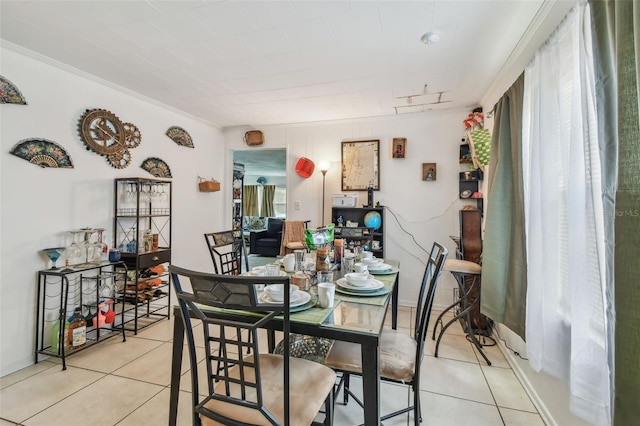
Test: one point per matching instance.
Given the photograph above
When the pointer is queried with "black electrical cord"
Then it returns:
(516, 353)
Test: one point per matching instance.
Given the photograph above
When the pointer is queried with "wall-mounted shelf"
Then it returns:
(469, 179)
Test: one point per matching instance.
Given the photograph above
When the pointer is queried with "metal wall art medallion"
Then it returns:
(104, 133)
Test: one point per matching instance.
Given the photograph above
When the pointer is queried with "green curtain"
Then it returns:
(268, 192)
(504, 263)
(616, 31)
(250, 201)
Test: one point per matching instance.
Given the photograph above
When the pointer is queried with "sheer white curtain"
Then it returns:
(564, 219)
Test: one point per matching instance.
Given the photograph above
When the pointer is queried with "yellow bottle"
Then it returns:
(77, 331)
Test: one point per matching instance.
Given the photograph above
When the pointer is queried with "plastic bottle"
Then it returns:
(77, 331)
(55, 336)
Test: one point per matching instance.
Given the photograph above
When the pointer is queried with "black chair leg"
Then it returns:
(328, 408)
(345, 392)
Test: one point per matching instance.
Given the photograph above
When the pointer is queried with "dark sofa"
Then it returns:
(267, 242)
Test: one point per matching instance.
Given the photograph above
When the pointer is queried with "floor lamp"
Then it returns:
(324, 168)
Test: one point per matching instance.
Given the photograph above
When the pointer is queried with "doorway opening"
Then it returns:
(264, 185)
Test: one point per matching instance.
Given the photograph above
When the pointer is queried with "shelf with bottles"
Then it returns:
(86, 291)
(142, 228)
(146, 296)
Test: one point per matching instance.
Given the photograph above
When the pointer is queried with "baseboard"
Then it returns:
(526, 383)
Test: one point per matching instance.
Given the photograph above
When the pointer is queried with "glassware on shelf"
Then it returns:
(53, 254)
(100, 247)
(74, 252)
(163, 195)
(88, 248)
(131, 192)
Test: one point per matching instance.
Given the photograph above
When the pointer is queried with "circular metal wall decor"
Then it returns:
(180, 136)
(43, 152)
(104, 133)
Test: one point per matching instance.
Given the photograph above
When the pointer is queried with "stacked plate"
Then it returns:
(359, 283)
(381, 268)
(261, 271)
(296, 298)
(373, 262)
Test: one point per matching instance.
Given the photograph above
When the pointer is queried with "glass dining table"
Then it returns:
(355, 317)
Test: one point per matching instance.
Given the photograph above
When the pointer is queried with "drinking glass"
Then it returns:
(272, 270)
(74, 251)
(101, 249)
(131, 192)
(347, 264)
(358, 250)
(87, 247)
(299, 254)
(325, 276)
(53, 254)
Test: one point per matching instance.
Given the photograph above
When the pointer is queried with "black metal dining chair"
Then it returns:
(226, 252)
(400, 354)
(256, 389)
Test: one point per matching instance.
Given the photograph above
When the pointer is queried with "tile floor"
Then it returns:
(127, 384)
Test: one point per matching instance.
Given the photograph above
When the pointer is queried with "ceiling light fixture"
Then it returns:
(430, 38)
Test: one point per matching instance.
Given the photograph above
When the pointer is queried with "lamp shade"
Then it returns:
(305, 167)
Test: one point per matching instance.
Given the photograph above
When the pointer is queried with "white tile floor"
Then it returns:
(116, 383)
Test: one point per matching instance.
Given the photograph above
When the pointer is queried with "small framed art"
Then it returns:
(429, 171)
(399, 148)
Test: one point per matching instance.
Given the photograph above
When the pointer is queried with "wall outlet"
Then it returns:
(297, 204)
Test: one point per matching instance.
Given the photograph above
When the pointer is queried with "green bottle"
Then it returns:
(55, 336)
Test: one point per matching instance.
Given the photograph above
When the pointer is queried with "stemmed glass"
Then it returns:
(74, 251)
(87, 247)
(100, 247)
(53, 254)
(163, 195)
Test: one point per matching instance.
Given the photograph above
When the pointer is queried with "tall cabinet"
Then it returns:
(142, 232)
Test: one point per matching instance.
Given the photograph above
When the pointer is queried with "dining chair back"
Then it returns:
(293, 237)
(256, 388)
(226, 252)
(400, 353)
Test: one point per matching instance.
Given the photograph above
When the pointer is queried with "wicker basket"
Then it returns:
(208, 185)
(254, 137)
(306, 347)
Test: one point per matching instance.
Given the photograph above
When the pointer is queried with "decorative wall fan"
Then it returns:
(180, 136)
(156, 167)
(43, 152)
(9, 93)
(104, 133)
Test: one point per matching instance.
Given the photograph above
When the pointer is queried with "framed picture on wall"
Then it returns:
(360, 165)
(399, 147)
(429, 171)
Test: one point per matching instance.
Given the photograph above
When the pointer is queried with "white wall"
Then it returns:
(426, 211)
(40, 205)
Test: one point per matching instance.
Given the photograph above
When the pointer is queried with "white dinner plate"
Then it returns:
(381, 269)
(261, 274)
(298, 298)
(374, 285)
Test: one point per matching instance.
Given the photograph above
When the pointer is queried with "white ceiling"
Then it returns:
(273, 62)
